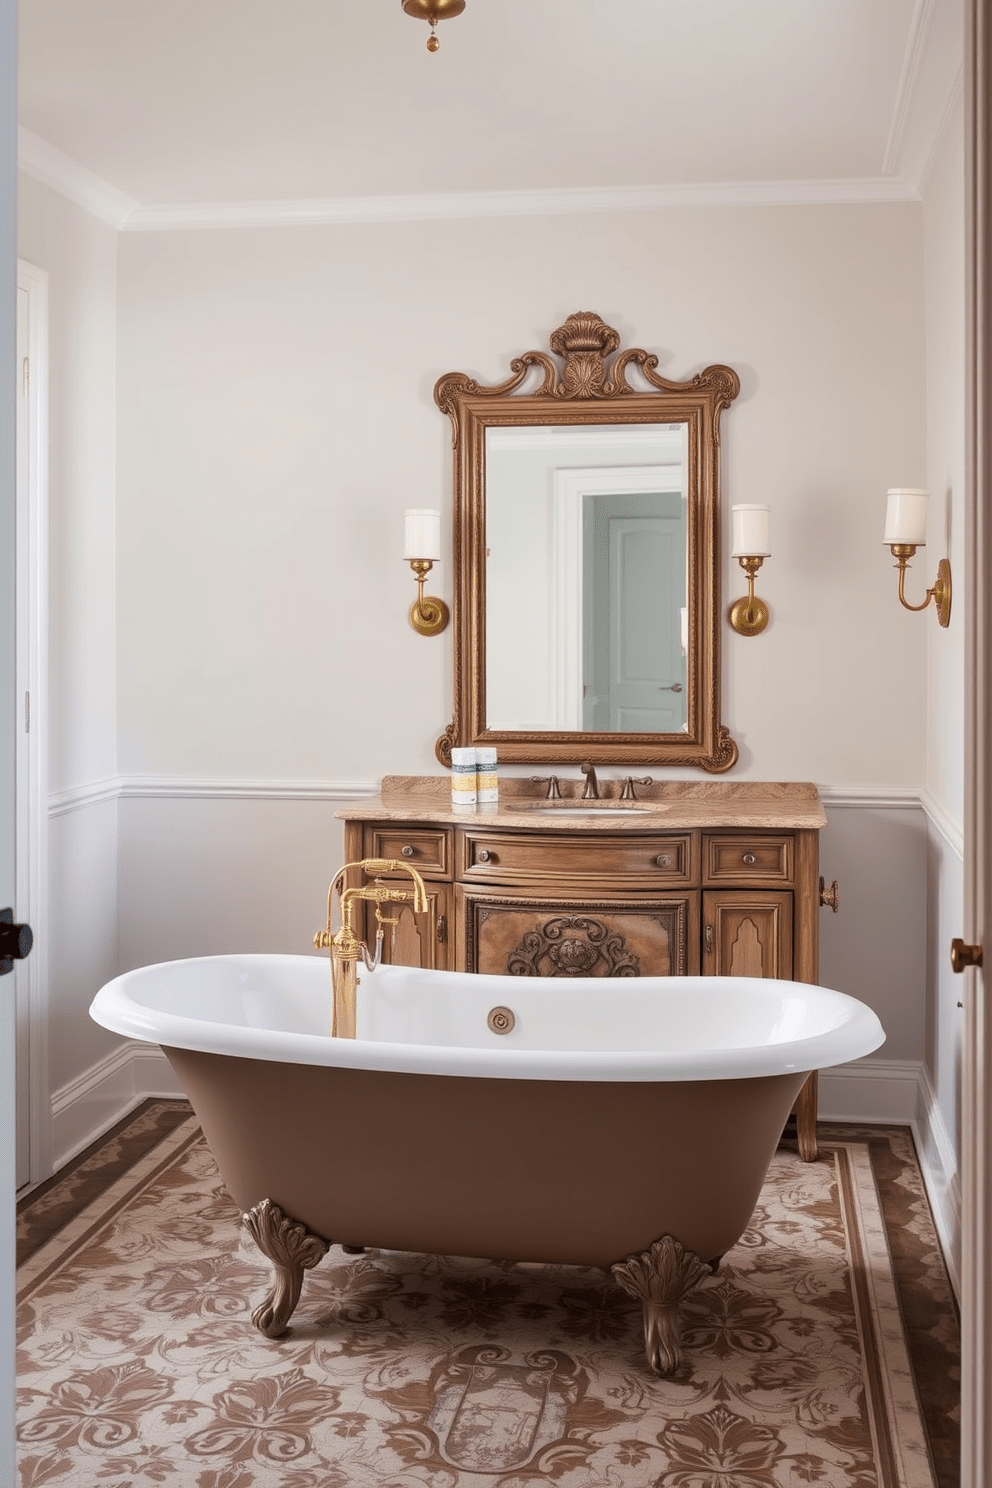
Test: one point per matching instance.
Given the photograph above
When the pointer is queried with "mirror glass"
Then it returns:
(586, 619)
(585, 520)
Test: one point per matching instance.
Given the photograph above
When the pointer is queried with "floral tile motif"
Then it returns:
(138, 1363)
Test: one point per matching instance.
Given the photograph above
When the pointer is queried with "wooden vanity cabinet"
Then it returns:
(413, 940)
(510, 896)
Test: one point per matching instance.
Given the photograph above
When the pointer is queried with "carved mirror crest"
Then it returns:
(586, 582)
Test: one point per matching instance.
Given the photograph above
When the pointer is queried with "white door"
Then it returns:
(21, 974)
(8, 340)
(976, 1097)
(30, 687)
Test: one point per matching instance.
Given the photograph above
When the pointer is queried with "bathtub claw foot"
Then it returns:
(292, 1249)
(661, 1277)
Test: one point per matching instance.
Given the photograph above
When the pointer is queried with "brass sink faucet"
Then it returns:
(591, 789)
(345, 947)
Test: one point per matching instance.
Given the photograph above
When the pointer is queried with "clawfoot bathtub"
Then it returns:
(626, 1124)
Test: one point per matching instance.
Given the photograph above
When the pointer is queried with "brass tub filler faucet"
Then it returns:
(345, 947)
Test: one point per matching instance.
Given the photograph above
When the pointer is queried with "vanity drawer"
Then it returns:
(744, 859)
(424, 849)
(642, 862)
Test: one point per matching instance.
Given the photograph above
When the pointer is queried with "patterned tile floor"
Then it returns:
(924, 1293)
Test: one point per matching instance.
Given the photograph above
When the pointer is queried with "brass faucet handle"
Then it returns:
(553, 784)
(374, 866)
(323, 940)
(628, 793)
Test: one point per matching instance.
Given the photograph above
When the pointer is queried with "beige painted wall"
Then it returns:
(275, 419)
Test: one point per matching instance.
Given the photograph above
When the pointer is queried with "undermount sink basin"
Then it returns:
(592, 808)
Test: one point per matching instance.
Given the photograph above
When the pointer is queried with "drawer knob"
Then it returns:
(749, 859)
(485, 856)
(407, 851)
(664, 860)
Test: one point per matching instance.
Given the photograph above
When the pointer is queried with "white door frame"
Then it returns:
(31, 682)
(976, 1083)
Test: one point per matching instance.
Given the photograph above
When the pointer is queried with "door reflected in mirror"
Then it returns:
(602, 647)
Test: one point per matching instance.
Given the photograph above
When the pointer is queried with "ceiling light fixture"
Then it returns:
(433, 11)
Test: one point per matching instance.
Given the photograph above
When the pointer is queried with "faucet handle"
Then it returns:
(628, 794)
(554, 787)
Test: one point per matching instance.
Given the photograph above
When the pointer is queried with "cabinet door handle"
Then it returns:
(485, 856)
(408, 851)
(749, 859)
(709, 939)
(440, 930)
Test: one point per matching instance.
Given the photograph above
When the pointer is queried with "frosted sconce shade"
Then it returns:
(422, 535)
(751, 529)
(906, 517)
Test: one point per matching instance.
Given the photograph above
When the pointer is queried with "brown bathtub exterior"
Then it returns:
(575, 1172)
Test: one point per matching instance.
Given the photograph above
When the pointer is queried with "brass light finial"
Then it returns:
(433, 11)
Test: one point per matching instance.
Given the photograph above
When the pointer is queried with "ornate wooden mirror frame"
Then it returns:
(588, 390)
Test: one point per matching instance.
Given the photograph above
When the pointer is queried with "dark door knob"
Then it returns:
(15, 941)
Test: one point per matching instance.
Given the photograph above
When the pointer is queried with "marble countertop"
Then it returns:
(661, 806)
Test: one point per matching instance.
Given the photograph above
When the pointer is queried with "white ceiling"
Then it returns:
(161, 111)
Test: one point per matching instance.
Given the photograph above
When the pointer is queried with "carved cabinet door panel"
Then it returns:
(507, 933)
(417, 940)
(747, 932)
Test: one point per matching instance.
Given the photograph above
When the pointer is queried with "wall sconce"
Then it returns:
(905, 531)
(749, 615)
(422, 549)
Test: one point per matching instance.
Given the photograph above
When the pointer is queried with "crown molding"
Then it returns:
(908, 80)
(554, 202)
(53, 168)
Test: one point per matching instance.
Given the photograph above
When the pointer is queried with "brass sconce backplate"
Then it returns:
(749, 615)
(429, 616)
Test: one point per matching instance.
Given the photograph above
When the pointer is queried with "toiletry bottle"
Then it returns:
(464, 788)
(488, 780)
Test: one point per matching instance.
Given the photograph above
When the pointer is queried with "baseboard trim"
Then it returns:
(881, 1091)
(873, 1091)
(88, 1106)
(938, 1164)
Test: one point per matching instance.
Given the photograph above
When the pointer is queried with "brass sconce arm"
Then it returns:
(749, 615)
(939, 593)
(428, 614)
